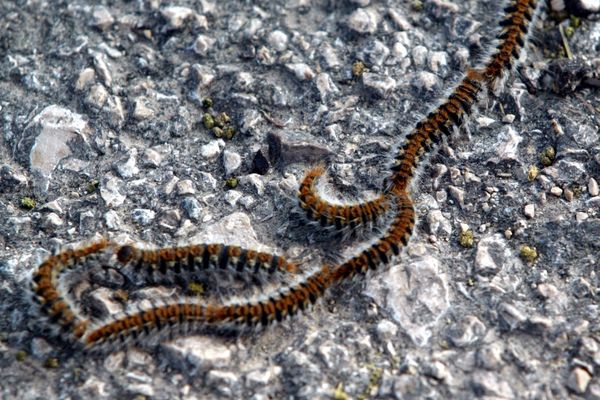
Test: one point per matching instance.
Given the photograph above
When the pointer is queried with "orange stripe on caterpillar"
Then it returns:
(340, 216)
(47, 293)
(204, 257)
(515, 27)
(430, 130)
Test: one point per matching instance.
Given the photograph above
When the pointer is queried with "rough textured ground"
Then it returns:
(102, 128)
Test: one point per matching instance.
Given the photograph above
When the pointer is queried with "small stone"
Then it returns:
(593, 189)
(508, 119)
(490, 356)
(438, 62)
(223, 382)
(143, 216)
(278, 40)
(457, 194)
(102, 67)
(129, 168)
(326, 86)
(192, 208)
(419, 55)
(492, 255)
(375, 53)
(211, 150)
(255, 181)
(507, 145)
(301, 71)
(52, 220)
(569, 195)
(557, 5)
(202, 75)
(151, 158)
(207, 182)
(386, 330)
(511, 315)
(547, 290)
(97, 96)
(140, 110)
(185, 186)
(379, 84)
(57, 130)
(484, 122)
(364, 20)
(112, 220)
(231, 161)
(529, 211)
(232, 197)
(176, 16)
(199, 351)
(85, 78)
(101, 18)
(556, 191)
(110, 192)
(581, 216)
(438, 224)
(578, 380)
(426, 81)
(203, 44)
(583, 7)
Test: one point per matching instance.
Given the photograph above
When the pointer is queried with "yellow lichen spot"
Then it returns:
(196, 288)
(569, 31)
(207, 102)
(92, 186)
(231, 182)
(575, 21)
(218, 132)
(373, 382)
(52, 362)
(222, 119)
(528, 253)
(358, 68)
(208, 121)
(339, 394)
(228, 132)
(28, 203)
(470, 282)
(417, 5)
(547, 156)
(532, 173)
(21, 355)
(466, 238)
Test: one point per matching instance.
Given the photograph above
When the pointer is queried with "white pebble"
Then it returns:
(593, 187)
(529, 211)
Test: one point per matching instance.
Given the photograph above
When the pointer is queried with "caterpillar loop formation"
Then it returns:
(298, 289)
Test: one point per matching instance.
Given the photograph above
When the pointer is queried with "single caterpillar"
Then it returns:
(197, 259)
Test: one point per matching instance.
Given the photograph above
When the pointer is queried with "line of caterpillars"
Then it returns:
(288, 300)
